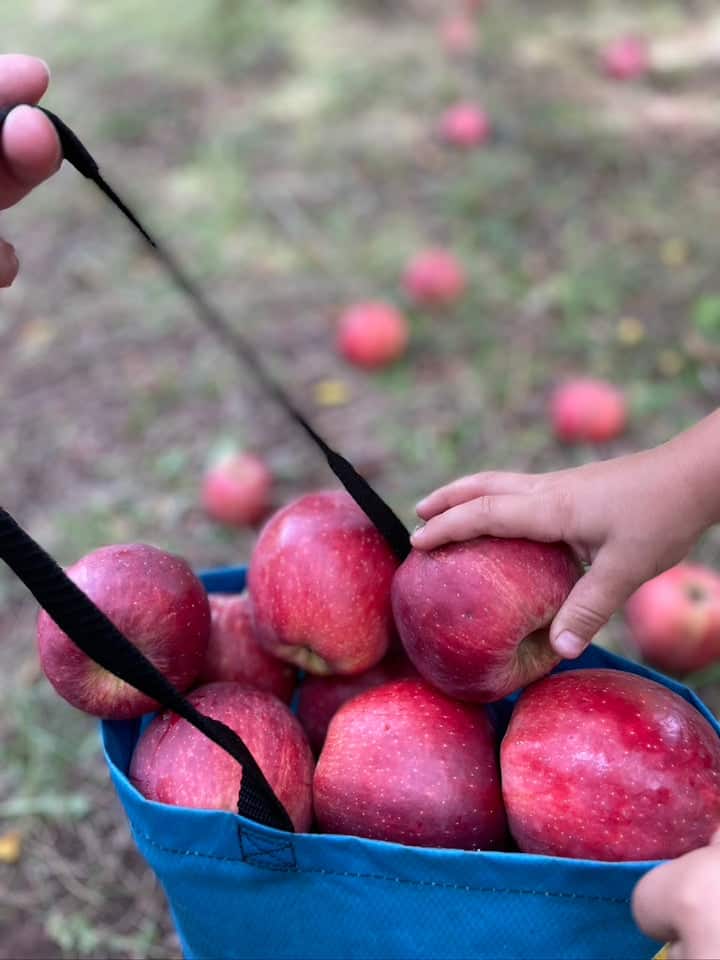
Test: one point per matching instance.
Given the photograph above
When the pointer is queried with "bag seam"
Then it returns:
(592, 898)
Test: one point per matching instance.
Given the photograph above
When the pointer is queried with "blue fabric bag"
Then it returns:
(237, 889)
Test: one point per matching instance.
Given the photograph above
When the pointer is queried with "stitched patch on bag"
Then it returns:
(260, 851)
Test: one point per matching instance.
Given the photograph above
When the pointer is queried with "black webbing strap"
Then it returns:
(100, 639)
(81, 620)
(369, 501)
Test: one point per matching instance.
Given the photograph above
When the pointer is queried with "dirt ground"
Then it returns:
(289, 154)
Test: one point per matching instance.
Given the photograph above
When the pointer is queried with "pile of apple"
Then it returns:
(403, 665)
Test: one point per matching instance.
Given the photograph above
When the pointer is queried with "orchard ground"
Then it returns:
(288, 151)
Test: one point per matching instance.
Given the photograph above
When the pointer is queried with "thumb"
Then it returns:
(589, 606)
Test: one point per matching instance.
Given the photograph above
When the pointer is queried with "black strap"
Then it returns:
(80, 618)
(369, 501)
(100, 639)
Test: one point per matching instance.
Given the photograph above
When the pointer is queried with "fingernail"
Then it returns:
(568, 645)
(45, 65)
(420, 504)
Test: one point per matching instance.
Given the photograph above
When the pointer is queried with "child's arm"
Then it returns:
(29, 148)
(631, 518)
(678, 902)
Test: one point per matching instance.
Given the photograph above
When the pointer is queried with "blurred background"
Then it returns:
(293, 155)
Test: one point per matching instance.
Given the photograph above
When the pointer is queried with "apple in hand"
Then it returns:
(465, 125)
(586, 410)
(434, 278)
(156, 601)
(404, 763)
(236, 490)
(174, 763)
(321, 697)
(626, 58)
(234, 653)
(319, 582)
(606, 765)
(372, 334)
(674, 619)
(474, 616)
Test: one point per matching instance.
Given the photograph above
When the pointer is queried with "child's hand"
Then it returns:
(29, 147)
(679, 902)
(631, 518)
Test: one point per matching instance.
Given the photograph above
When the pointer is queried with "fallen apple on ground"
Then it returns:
(234, 653)
(465, 125)
(601, 764)
(434, 278)
(404, 763)
(626, 58)
(320, 698)
(458, 34)
(236, 490)
(674, 619)
(372, 334)
(319, 582)
(156, 601)
(473, 616)
(174, 763)
(587, 410)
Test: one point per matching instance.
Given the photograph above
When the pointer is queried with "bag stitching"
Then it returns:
(593, 898)
(282, 854)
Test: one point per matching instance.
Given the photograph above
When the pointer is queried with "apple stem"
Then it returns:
(99, 638)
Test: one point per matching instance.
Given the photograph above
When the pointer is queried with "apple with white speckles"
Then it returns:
(473, 617)
(674, 619)
(605, 765)
(234, 652)
(174, 763)
(319, 582)
(321, 697)
(404, 763)
(151, 596)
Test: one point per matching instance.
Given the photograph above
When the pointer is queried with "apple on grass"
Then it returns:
(156, 601)
(674, 619)
(404, 763)
(587, 410)
(473, 617)
(465, 125)
(319, 580)
(458, 34)
(434, 278)
(236, 489)
(320, 698)
(234, 653)
(174, 763)
(601, 764)
(626, 58)
(372, 334)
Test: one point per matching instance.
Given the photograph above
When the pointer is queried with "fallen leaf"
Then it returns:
(10, 846)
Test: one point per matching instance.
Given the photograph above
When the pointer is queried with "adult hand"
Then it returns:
(29, 147)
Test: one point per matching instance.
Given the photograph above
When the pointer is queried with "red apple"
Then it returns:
(465, 125)
(321, 697)
(151, 596)
(236, 490)
(174, 763)
(234, 653)
(320, 578)
(458, 34)
(434, 278)
(406, 764)
(626, 58)
(605, 765)
(372, 334)
(674, 619)
(587, 411)
(473, 616)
